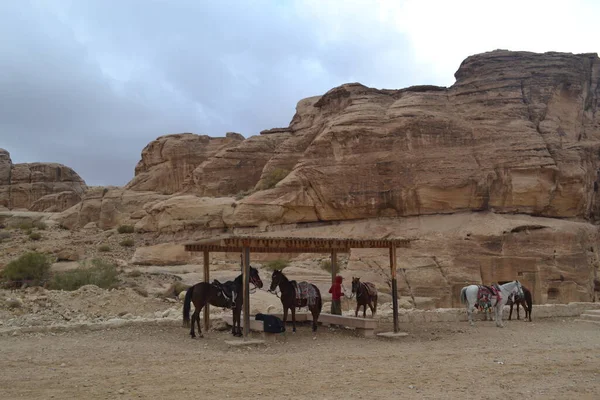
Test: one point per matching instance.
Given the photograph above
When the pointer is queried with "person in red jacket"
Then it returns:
(336, 295)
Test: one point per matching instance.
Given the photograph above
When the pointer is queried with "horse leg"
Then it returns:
(510, 315)
(357, 307)
(498, 312)
(371, 308)
(365, 310)
(518, 317)
(195, 317)
(293, 319)
(470, 314)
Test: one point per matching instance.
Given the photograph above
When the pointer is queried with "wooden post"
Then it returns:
(246, 290)
(333, 266)
(394, 287)
(333, 271)
(206, 279)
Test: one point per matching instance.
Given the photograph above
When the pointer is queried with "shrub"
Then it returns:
(276, 265)
(125, 229)
(33, 266)
(326, 265)
(40, 225)
(4, 236)
(135, 273)
(104, 248)
(273, 177)
(127, 243)
(101, 274)
(26, 226)
(35, 236)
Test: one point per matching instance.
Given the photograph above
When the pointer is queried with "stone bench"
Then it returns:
(363, 326)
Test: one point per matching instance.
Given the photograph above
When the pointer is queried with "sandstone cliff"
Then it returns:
(169, 160)
(38, 186)
(518, 134)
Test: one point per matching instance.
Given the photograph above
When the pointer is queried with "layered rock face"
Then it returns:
(38, 186)
(168, 161)
(517, 132)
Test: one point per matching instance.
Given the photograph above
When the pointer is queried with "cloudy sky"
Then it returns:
(88, 83)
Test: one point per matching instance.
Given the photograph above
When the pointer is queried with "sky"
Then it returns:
(89, 83)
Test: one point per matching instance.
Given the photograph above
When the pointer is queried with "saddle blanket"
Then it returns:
(305, 290)
(485, 295)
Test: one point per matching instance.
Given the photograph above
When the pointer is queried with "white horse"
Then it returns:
(469, 296)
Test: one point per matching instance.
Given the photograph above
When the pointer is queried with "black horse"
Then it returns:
(289, 299)
(224, 295)
(526, 301)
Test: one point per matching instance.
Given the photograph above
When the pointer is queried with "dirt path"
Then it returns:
(549, 359)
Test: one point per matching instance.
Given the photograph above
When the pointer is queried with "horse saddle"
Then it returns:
(227, 288)
(485, 295)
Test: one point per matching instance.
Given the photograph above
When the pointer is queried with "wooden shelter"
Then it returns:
(260, 244)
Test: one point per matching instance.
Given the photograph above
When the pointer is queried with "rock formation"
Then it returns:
(517, 132)
(38, 186)
(482, 173)
(169, 160)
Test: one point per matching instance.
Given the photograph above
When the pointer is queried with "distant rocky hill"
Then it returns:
(38, 186)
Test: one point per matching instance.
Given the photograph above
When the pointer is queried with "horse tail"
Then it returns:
(529, 300)
(187, 305)
(463, 295)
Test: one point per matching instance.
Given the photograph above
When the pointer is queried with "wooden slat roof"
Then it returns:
(262, 244)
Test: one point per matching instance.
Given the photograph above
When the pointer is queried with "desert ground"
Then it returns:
(554, 358)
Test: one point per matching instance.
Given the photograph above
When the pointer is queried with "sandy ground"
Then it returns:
(549, 359)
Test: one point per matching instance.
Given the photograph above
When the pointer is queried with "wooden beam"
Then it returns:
(206, 279)
(394, 286)
(246, 290)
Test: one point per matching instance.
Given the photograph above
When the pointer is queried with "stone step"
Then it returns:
(590, 317)
(596, 312)
(588, 320)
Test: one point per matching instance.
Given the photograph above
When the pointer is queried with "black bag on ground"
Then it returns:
(271, 323)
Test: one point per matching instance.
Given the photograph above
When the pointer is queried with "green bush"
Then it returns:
(26, 226)
(4, 236)
(35, 236)
(34, 267)
(125, 229)
(127, 243)
(326, 265)
(276, 265)
(101, 274)
(40, 225)
(104, 248)
(273, 177)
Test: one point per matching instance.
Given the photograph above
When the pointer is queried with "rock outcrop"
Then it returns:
(168, 161)
(38, 186)
(517, 132)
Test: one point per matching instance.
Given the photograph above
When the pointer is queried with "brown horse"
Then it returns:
(309, 296)
(525, 300)
(366, 294)
(217, 295)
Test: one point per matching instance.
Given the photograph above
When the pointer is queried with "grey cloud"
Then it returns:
(89, 84)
